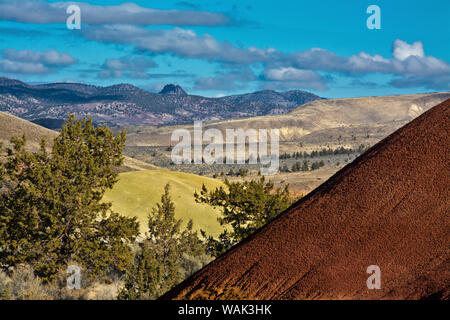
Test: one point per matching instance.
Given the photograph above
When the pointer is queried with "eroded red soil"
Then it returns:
(390, 208)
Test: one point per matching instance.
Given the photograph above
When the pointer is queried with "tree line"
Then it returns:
(323, 152)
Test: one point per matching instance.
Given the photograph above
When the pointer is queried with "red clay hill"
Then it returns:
(389, 208)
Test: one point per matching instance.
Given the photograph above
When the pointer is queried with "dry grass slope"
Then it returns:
(378, 116)
(11, 126)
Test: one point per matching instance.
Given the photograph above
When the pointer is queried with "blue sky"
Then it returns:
(218, 48)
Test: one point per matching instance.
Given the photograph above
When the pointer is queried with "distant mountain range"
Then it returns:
(125, 104)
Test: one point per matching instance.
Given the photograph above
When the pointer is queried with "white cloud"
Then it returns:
(292, 78)
(34, 62)
(179, 42)
(409, 60)
(9, 66)
(48, 57)
(403, 50)
(133, 67)
(290, 73)
(37, 11)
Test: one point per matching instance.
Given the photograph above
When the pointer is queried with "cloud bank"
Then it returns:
(132, 67)
(37, 11)
(281, 70)
(128, 24)
(34, 62)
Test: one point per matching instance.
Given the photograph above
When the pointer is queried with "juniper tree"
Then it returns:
(53, 212)
(296, 167)
(159, 260)
(305, 166)
(246, 206)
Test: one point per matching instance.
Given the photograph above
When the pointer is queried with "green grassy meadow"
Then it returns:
(137, 192)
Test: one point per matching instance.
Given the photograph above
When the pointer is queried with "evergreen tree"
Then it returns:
(305, 166)
(296, 167)
(159, 261)
(246, 206)
(315, 165)
(52, 212)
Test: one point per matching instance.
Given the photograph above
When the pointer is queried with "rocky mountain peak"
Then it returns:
(173, 89)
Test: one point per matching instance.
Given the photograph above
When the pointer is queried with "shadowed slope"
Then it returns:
(390, 208)
(11, 126)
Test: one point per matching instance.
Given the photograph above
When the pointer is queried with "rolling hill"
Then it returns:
(11, 126)
(137, 192)
(316, 122)
(390, 208)
(140, 187)
(321, 124)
